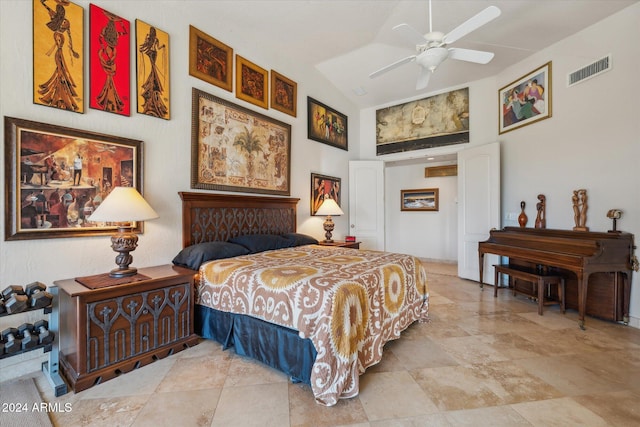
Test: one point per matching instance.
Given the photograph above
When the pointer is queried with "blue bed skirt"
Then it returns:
(277, 346)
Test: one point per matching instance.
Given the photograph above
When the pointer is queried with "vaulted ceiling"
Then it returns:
(346, 40)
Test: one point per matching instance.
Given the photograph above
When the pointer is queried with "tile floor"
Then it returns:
(480, 361)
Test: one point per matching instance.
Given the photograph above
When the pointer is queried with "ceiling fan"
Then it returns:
(432, 48)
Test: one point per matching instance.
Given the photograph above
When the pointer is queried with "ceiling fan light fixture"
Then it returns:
(431, 58)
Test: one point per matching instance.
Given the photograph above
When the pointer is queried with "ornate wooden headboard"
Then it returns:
(209, 217)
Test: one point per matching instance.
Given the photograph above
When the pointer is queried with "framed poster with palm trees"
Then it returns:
(236, 149)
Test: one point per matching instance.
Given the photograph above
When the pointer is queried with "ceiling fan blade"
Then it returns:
(473, 23)
(469, 55)
(410, 33)
(392, 66)
(423, 78)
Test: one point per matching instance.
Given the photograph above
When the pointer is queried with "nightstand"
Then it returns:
(352, 245)
(117, 327)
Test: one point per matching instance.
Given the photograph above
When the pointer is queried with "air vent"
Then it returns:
(591, 70)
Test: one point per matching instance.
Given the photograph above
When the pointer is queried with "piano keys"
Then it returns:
(578, 254)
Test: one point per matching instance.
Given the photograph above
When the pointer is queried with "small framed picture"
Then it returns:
(424, 199)
(210, 59)
(284, 94)
(526, 100)
(326, 125)
(252, 83)
(152, 66)
(322, 187)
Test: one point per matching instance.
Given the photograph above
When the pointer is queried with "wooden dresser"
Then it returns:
(111, 330)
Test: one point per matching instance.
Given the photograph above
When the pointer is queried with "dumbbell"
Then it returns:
(41, 327)
(38, 296)
(12, 342)
(15, 299)
(28, 339)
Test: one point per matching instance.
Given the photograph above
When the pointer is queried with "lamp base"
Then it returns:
(123, 272)
(123, 242)
(328, 228)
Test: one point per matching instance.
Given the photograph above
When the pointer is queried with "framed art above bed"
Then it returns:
(236, 149)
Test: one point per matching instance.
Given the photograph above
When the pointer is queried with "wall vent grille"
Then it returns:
(589, 71)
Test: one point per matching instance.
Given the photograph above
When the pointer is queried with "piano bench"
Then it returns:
(530, 275)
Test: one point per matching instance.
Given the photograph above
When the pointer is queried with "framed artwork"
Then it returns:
(236, 149)
(252, 83)
(326, 125)
(284, 94)
(434, 121)
(55, 177)
(323, 187)
(210, 59)
(526, 100)
(152, 71)
(424, 199)
(109, 62)
(58, 55)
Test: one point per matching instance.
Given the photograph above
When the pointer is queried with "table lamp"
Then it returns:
(329, 207)
(123, 206)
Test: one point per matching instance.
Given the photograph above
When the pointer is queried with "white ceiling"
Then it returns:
(346, 40)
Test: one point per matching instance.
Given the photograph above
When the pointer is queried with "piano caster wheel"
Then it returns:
(581, 324)
(625, 320)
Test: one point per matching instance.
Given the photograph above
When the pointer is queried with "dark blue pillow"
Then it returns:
(194, 255)
(262, 242)
(300, 239)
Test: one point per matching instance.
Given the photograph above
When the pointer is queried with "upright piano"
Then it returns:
(578, 253)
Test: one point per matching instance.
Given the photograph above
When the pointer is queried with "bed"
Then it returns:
(320, 314)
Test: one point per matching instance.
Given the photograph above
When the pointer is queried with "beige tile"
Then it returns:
(431, 420)
(558, 413)
(413, 354)
(387, 395)
(109, 412)
(259, 405)
(497, 416)
(179, 408)
(193, 373)
(618, 408)
(470, 349)
(304, 411)
(551, 319)
(245, 371)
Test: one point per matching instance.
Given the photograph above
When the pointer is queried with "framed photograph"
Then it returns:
(55, 177)
(435, 121)
(326, 125)
(58, 55)
(424, 199)
(109, 62)
(323, 187)
(252, 83)
(152, 71)
(526, 100)
(284, 94)
(210, 59)
(236, 149)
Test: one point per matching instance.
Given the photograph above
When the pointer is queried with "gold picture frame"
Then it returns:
(284, 94)
(252, 82)
(152, 71)
(210, 59)
(423, 199)
(526, 100)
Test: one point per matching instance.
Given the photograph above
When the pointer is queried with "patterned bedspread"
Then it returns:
(348, 302)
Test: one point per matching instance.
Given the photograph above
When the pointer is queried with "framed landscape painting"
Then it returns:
(424, 199)
(526, 100)
(57, 176)
(236, 149)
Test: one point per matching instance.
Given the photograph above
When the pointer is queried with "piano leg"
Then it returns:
(481, 261)
(583, 282)
(626, 290)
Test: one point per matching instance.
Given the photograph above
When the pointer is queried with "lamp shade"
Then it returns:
(123, 204)
(329, 207)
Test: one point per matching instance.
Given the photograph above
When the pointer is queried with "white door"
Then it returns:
(478, 206)
(366, 203)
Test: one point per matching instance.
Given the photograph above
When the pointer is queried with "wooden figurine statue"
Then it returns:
(541, 206)
(580, 207)
(522, 218)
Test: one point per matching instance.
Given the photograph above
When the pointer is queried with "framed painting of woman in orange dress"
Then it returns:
(58, 59)
(152, 76)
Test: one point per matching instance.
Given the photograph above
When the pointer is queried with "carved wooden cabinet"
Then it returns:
(108, 331)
